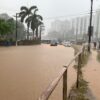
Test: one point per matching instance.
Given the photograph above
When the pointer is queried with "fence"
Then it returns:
(63, 73)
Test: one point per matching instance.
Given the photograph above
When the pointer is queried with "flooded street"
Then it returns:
(26, 71)
(92, 73)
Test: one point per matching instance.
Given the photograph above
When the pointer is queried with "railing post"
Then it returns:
(78, 70)
(65, 84)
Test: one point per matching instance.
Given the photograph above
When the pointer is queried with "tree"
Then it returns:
(34, 21)
(6, 27)
(25, 13)
(38, 23)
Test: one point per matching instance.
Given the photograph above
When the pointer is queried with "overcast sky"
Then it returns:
(49, 8)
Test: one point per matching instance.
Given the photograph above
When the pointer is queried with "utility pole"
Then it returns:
(16, 29)
(17, 15)
(90, 29)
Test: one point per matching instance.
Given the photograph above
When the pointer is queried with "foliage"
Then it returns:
(32, 19)
(80, 93)
(25, 13)
(98, 56)
(29, 42)
(6, 27)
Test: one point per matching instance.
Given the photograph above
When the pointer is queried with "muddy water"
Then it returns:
(92, 75)
(26, 71)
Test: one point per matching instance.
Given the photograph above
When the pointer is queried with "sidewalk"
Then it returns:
(92, 74)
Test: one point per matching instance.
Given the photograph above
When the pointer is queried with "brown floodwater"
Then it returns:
(26, 71)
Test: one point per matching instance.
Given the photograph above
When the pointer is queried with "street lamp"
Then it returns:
(90, 29)
(17, 15)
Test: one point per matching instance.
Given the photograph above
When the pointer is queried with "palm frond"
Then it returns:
(39, 17)
(22, 13)
(40, 23)
(22, 18)
(28, 19)
(24, 8)
(35, 11)
(32, 8)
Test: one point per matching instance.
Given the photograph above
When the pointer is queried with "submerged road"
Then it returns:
(26, 71)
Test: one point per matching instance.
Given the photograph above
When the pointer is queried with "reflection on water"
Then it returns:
(26, 71)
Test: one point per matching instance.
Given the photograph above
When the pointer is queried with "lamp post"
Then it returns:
(90, 29)
(17, 15)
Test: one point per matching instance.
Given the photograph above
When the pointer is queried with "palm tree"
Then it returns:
(25, 13)
(38, 23)
(34, 21)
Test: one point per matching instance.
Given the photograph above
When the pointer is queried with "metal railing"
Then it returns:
(63, 73)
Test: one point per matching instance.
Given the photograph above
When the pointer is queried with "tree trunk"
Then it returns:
(40, 32)
(27, 33)
(33, 35)
(37, 32)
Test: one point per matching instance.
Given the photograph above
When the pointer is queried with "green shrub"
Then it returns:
(80, 93)
(98, 56)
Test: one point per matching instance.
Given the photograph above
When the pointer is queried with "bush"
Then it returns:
(98, 56)
(7, 42)
(29, 42)
(80, 93)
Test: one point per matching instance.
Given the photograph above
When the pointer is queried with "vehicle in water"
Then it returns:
(53, 42)
(66, 44)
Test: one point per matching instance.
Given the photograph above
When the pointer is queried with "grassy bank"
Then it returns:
(98, 56)
(81, 92)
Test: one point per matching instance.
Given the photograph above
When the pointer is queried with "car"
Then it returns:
(53, 43)
(67, 44)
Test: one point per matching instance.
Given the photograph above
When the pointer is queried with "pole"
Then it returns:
(90, 27)
(16, 29)
(78, 71)
(40, 33)
(65, 84)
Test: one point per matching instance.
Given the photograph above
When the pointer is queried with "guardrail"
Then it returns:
(63, 73)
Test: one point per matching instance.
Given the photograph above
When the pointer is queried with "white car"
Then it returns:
(67, 44)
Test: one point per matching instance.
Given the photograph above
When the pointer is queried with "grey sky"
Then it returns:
(49, 8)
